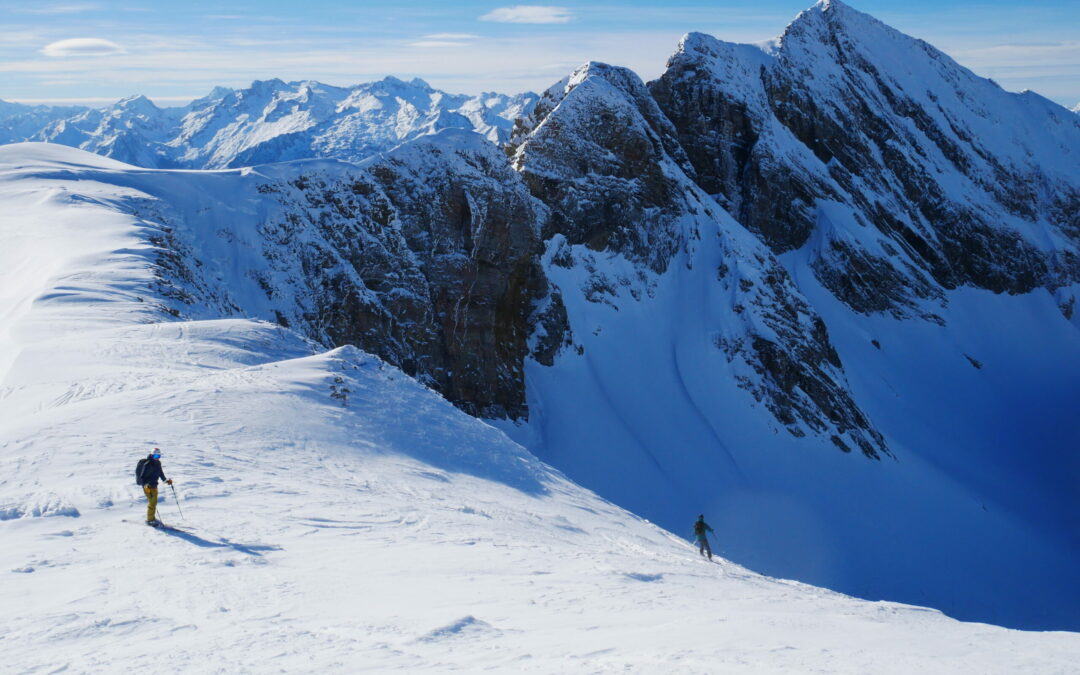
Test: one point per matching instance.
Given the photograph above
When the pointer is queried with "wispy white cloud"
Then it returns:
(100, 101)
(74, 8)
(20, 38)
(430, 44)
(1048, 52)
(82, 47)
(440, 40)
(528, 14)
(162, 60)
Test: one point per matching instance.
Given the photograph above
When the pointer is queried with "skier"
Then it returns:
(701, 528)
(151, 473)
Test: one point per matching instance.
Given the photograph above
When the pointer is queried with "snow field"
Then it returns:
(388, 531)
(341, 516)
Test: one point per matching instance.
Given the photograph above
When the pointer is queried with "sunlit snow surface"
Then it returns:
(341, 517)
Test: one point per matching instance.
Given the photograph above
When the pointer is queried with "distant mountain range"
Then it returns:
(269, 121)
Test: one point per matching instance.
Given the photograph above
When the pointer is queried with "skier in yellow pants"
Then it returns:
(151, 473)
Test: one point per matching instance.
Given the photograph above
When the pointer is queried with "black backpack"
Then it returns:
(140, 468)
(699, 527)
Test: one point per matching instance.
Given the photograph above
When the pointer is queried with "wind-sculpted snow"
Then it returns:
(271, 121)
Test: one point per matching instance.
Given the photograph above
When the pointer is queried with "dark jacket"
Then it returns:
(152, 472)
(700, 528)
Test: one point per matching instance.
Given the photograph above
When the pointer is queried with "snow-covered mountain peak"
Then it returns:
(705, 44)
(8, 108)
(621, 77)
(271, 120)
(216, 94)
(836, 12)
(137, 105)
(265, 86)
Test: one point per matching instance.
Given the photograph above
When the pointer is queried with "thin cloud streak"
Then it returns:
(528, 14)
(426, 44)
(165, 61)
(62, 9)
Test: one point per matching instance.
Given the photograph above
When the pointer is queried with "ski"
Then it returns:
(159, 526)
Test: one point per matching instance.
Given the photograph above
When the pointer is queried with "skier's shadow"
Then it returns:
(222, 542)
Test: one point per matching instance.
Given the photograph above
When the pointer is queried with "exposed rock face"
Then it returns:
(601, 165)
(473, 229)
(956, 175)
(427, 257)
(601, 155)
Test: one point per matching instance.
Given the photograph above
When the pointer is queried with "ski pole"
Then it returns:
(177, 500)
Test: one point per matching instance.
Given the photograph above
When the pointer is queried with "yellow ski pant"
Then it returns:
(151, 501)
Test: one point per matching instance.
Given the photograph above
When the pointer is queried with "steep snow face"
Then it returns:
(923, 224)
(335, 511)
(274, 121)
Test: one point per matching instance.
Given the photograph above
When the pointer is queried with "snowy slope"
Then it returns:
(932, 234)
(274, 121)
(341, 516)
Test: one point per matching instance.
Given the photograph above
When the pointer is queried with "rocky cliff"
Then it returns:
(427, 256)
(844, 125)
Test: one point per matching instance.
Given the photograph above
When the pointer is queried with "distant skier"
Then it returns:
(147, 474)
(701, 530)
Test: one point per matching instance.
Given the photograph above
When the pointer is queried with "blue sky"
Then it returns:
(96, 52)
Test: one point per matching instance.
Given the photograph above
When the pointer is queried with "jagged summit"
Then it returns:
(138, 104)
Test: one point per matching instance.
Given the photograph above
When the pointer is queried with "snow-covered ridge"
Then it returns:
(736, 272)
(336, 512)
(270, 121)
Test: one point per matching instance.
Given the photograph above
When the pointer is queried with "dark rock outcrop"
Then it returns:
(955, 175)
(601, 155)
(427, 257)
